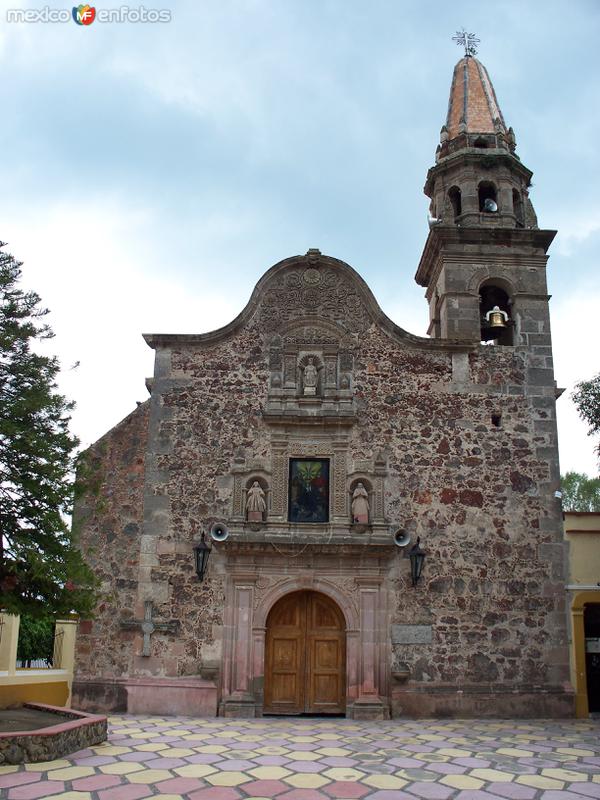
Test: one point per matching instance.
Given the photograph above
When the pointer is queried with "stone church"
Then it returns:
(319, 450)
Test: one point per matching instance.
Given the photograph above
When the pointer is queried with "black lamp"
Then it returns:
(201, 554)
(417, 557)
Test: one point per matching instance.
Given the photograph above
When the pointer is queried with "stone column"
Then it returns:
(238, 697)
(9, 640)
(369, 704)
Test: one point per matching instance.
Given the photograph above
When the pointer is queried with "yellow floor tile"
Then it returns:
(567, 775)
(111, 750)
(152, 747)
(6, 770)
(150, 776)
(269, 773)
(539, 782)
(384, 781)
(228, 778)
(177, 752)
(333, 751)
(454, 752)
(70, 773)
(46, 766)
(122, 768)
(461, 782)
(307, 781)
(515, 751)
(575, 751)
(211, 748)
(494, 775)
(73, 796)
(344, 774)
(195, 770)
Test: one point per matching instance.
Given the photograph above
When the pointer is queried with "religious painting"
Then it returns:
(309, 490)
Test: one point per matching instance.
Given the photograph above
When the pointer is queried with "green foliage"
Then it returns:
(42, 572)
(587, 399)
(36, 639)
(580, 493)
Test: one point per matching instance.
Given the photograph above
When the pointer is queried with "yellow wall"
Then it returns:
(582, 531)
(54, 693)
(52, 686)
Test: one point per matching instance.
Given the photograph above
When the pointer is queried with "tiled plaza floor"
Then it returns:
(320, 759)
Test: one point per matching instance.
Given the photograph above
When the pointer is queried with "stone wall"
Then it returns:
(468, 437)
(108, 519)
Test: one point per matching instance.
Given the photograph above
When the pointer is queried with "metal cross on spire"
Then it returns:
(467, 40)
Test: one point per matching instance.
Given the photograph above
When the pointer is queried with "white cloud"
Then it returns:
(575, 336)
(574, 227)
(104, 288)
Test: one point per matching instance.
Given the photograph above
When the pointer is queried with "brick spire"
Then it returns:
(473, 107)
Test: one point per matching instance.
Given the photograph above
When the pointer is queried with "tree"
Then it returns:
(36, 640)
(587, 399)
(42, 572)
(580, 493)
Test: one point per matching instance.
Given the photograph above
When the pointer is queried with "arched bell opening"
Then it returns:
(454, 196)
(495, 307)
(488, 197)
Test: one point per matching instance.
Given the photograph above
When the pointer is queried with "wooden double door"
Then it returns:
(305, 656)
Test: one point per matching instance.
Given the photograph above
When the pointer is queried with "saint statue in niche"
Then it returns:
(310, 378)
(255, 503)
(360, 505)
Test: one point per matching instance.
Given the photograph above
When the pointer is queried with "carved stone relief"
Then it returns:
(320, 291)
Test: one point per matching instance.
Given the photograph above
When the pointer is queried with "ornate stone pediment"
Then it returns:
(311, 362)
(314, 288)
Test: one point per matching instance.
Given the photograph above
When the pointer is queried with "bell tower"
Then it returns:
(484, 261)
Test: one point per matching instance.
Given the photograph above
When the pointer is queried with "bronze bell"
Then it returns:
(496, 318)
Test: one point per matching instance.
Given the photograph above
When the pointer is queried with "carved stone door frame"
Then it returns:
(367, 641)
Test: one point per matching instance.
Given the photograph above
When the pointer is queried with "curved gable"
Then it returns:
(301, 288)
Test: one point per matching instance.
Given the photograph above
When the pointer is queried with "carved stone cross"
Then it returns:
(149, 626)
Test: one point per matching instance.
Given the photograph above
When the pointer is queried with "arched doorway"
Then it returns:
(305, 656)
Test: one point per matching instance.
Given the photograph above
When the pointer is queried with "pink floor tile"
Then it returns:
(18, 779)
(179, 785)
(36, 791)
(264, 788)
(346, 789)
(129, 792)
(215, 793)
(95, 782)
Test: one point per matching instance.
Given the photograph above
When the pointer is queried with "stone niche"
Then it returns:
(273, 477)
(311, 363)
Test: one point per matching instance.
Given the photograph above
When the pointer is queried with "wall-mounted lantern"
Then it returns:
(201, 554)
(417, 557)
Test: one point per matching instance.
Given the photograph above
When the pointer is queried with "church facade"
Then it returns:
(312, 444)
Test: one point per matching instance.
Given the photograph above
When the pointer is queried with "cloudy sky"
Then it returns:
(152, 172)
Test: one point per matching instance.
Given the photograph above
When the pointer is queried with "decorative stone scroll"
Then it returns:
(318, 290)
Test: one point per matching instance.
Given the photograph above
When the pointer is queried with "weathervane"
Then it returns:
(467, 40)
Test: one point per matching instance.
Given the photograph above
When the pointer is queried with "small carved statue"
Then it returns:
(310, 378)
(360, 505)
(255, 503)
